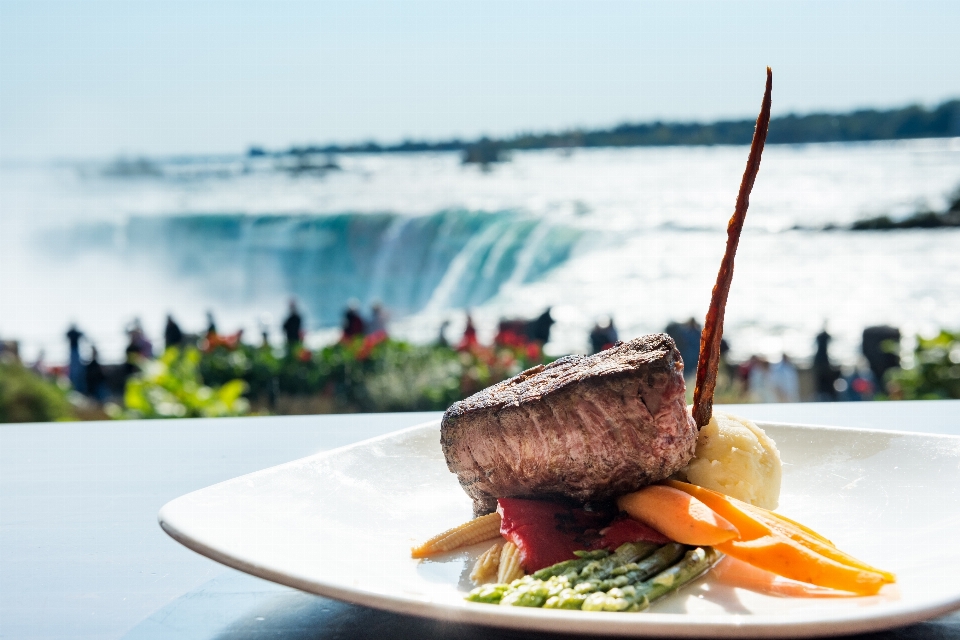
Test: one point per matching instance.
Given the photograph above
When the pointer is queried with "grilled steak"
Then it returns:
(585, 428)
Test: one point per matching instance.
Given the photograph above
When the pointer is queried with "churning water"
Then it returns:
(633, 233)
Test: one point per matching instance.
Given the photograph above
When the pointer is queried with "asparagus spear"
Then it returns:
(594, 586)
(639, 596)
(694, 563)
(566, 584)
(583, 557)
(488, 593)
(604, 582)
(659, 560)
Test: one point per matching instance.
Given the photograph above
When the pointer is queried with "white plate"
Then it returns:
(341, 524)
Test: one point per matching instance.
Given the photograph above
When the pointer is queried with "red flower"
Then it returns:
(509, 338)
(369, 343)
(533, 351)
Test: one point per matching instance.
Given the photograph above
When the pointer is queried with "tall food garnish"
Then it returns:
(709, 361)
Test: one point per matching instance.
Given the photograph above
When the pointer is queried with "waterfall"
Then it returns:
(458, 269)
(449, 259)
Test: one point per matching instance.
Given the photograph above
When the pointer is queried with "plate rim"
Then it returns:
(592, 623)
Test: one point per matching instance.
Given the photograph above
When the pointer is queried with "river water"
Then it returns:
(633, 233)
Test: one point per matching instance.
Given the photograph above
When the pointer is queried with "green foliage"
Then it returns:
(942, 121)
(27, 397)
(369, 374)
(919, 220)
(171, 387)
(935, 373)
(392, 376)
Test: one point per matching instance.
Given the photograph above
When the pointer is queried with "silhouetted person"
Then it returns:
(293, 326)
(172, 335)
(74, 335)
(378, 320)
(613, 336)
(442, 335)
(724, 348)
(76, 373)
(603, 335)
(131, 364)
(687, 338)
(353, 324)
(691, 331)
(538, 330)
(881, 348)
(761, 384)
(598, 338)
(138, 340)
(95, 377)
(823, 372)
(133, 349)
(469, 335)
(673, 330)
(211, 325)
(785, 380)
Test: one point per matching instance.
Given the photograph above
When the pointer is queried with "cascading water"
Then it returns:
(450, 259)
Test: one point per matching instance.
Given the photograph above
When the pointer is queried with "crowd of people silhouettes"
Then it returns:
(758, 379)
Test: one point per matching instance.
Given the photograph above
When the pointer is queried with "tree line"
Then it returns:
(913, 121)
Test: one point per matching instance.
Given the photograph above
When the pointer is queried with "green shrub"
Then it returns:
(366, 374)
(27, 397)
(369, 374)
(934, 373)
(171, 387)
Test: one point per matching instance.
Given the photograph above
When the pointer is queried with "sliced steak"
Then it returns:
(583, 427)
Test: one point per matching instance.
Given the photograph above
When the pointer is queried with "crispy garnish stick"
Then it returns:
(709, 361)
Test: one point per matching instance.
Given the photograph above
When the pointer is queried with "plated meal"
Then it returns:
(593, 489)
(603, 491)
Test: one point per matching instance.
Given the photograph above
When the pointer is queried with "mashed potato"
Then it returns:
(735, 457)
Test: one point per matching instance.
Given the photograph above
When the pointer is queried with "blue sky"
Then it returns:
(95, 79)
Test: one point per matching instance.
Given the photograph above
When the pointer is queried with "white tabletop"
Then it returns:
(81, 555)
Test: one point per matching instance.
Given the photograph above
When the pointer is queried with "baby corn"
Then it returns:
(485, 570)
(477, 530)
(510, 568)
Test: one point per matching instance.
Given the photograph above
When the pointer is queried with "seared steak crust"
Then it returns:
(583, 427)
